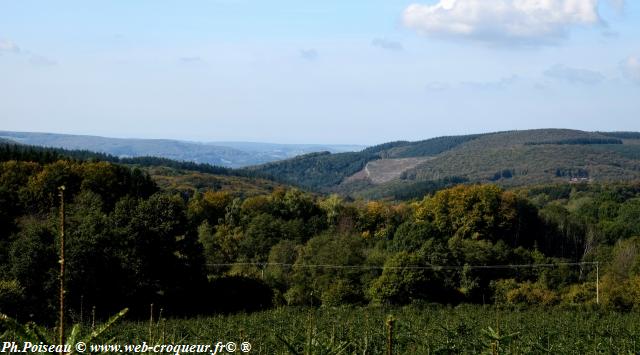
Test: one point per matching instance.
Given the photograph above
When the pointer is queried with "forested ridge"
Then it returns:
(324, 170)
(131, 243)
(510, 158)
(12, 151)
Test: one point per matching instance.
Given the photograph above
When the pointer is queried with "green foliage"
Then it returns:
(418, 330)
(35, 334)
(277, 276)
(325, 170)
(480, 212)
(513, 158)
(622, 135)
(34, 261)
(573, 141)
(317, 170)
(11, 294)
(159, 254)
(410, 236)
(430, 147)
(480, 159)
(579, 294)
(511, 292)
(531, 294)
(130, 245)
(408, 277)
(209, 206)
(44, 155)
(406, 188)
(328, 283)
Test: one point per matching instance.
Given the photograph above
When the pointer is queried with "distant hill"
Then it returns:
(325, 170)
(394, 170)
(408, 169)
(185, 178)
(229, 154)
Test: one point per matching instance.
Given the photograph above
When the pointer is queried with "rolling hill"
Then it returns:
(514, 158)
(228, 154)
(184, 178)
(395, 170)
(187, 182)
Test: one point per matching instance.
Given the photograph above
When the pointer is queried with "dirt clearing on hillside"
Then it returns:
(385, 170)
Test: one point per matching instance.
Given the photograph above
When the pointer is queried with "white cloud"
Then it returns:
(501, 84)
(574, 75)
(387, 44)
(496, 85)
(499, 21)
(192, 59)
(437, 86)
(309, 54)
(631, 68)
(40, 61)
(7, 46)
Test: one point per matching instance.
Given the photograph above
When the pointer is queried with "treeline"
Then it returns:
(407, 190)
(433, 146)
(621, 135)
(317, 170)
(579, 141)
(129, 244)
(321, 171)
(43, 155)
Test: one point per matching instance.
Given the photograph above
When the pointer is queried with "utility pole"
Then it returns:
(597, 282)
(61, 319)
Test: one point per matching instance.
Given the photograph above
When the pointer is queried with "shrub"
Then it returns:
(11, 294)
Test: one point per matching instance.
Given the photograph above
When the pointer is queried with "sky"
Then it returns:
(331, 72)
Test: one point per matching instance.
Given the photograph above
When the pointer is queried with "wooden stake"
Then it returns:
(61, 315)
(390, 322)
(597, 282)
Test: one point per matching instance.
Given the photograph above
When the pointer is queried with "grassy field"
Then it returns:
(416, 330)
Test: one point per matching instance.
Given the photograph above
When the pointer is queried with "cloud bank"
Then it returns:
(10, 47)
(501, 84)
(574, 75)
(7, 46)
(387, 44)
(309, 54)
(502, 21)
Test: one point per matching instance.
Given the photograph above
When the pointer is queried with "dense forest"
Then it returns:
(9, 151)
(130, 243)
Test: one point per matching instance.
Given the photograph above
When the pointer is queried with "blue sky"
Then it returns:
(362, 72)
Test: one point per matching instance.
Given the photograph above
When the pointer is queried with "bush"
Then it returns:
(508, 291)
(532, 294)
(11, 294)
(341, 292)
(580, 294)
(620, 294)
(501, 288)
